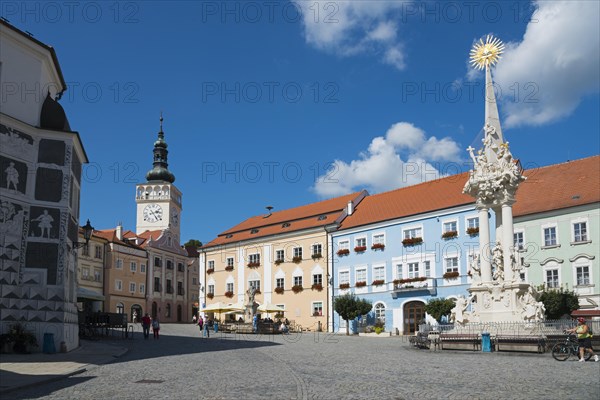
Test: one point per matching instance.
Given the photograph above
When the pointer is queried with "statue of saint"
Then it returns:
(251, 292)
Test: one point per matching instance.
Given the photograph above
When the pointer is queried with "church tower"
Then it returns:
(158, 200)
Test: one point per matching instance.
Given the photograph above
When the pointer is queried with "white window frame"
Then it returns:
(344, 244)
(410, 229)
(118, 285)
(298, 280)
(142, 268)
(298, 252)
(543, 233)
(210, 264)
(345, 273)
(132, 287)
(314, 246)
(548, 267)
(453, 268)
(377, 309)
(587, 231)
(523, 245)
(229, 261)
(142, 288)
(468, 222)
(450, 221)
(360, 239)
(277, 282)
(277, 252)
(255, 283)
(379, 267)
(211, 289)
(254, 258)
(314, 281)
(356, 271)
(133, 266)
(378, 238)
(312, 307)
(228, 286)
(579, 263)
(119, 264)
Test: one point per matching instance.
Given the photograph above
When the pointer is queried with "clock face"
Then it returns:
(174, 217)
(153, 213)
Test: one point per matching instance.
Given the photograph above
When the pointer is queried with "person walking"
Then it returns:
(155, 327)
(206, 331)
(146, 325)
(584, 338)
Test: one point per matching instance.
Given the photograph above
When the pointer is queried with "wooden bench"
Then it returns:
(460, 341)
(535, 344)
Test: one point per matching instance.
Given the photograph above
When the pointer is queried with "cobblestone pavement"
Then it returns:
(182, 365)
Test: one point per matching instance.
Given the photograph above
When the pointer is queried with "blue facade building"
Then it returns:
(401, 248)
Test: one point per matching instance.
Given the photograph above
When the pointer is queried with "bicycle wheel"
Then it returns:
(561, 351)
(587, 356)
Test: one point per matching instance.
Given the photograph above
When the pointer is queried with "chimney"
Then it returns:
(350, 208)
(119, 231)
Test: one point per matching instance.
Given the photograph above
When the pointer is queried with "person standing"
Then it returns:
(206, 331)
(146, 325)
(255, 323)
(584, 338)
(155, 327)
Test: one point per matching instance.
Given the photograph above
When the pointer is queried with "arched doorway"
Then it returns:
(154, 309)
(136, 313)
(414, 313)
(179, 313)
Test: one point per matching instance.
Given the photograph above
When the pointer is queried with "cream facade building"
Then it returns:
(90, 273)
(282, 255)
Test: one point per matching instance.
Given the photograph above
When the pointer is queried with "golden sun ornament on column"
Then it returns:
(486, 54)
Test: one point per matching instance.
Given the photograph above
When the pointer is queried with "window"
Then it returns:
(168, 310)
(133, 266)
(230, 287)
(194, 281)
(552, 278)
(97, 276)
(298, 252)
(230, 261)
(98, 252)
(143, 268)
(583, 275)
(279, 255)
(361, 242)
(254, 284)
(157, 284)
(85, 274)
(211, 289)
(118, 285)
(580, 232)
(550, 236)
(317, 308)
(280, 283)
(344, 245)
(317, 279)
(450, 226)
(132, 287)
(427, 268)
(451, 264)
(211, 264)
(254, 258)
(85, 250)
(157, 262)
(379, 273)
(142, 288)
(344, 277)
(180, 267)
(119, 263)
(180, 291)
(412, 233)
(169, 264)
(398, 271)
(169, 286)
(413, 270)
(361, 275)
(317, 249)
(380, 312)
(120, 308)
(379, 239)
(297, 281)
(473, 223)
(519, 240)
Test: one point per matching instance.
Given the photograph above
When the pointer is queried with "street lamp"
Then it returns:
(87, 234)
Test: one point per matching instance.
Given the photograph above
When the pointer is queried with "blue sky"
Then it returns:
(287, 103)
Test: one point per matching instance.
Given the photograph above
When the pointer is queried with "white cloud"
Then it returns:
(382, 167)
(354, 27)
(555, 65)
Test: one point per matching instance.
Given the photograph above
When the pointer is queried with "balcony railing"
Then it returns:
(417, 285)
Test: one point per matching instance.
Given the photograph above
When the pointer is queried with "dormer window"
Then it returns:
(322, 217)
(285, 225)
(253, 231)
(229, 236)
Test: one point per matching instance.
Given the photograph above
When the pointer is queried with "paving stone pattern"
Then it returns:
(182, 365)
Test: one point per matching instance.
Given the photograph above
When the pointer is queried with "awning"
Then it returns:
(87, 294)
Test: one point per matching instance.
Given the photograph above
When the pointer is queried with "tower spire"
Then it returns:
(160, 171)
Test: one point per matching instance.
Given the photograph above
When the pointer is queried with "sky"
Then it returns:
(285, 103)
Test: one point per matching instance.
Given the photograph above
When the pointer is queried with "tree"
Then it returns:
(559, 303)
(193, 243)
(437, 308)
(349, 307)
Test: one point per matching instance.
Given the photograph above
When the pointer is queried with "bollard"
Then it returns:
(486, 344)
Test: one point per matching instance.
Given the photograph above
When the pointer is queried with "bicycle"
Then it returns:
(562, 351)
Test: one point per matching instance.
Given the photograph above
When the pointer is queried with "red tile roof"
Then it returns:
(299, 218)
(111, 236)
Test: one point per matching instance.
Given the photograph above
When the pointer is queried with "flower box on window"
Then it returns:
(257, 291)
(473, 231)
(344, 285)
(449, 234)
(210, 295)
(297, 288)
(229, 268)
(210, 271)
(360, 284)
(279, 290)
(451, 275)
(316, 256)
(409, 280)
(343, 252)
(378, 282)
(360, 249)
(229, 294)
(297, 259)
(253, 264)
(278, 261)
(378, 246)
(412, 241)
(317, 286)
